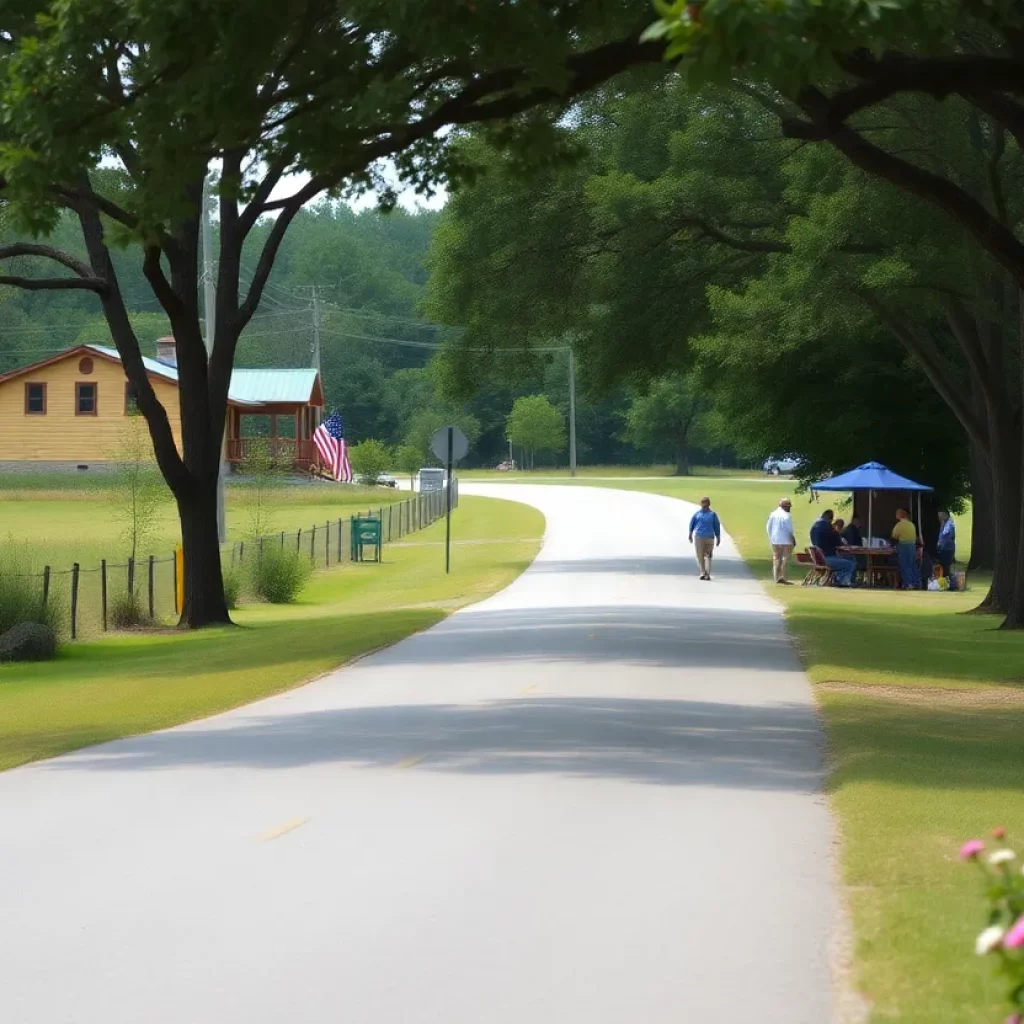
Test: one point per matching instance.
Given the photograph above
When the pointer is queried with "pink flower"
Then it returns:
(1015, 1018)
(1015, 936)
(971, 849)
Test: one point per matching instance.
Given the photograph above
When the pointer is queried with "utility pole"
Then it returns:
(209, 321)
(572, 413)
(316, 345)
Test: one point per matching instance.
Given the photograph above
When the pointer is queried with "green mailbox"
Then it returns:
(366, 534)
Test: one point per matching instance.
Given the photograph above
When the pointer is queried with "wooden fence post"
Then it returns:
(282, 540)
(103, 591)
(298, 541)
(312, 544)
(46, 584)
(241, 551)
(327, 544)
(341, 539)
(74, 601)
(131, 576)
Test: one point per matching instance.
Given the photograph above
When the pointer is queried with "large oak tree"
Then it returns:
(116, 110)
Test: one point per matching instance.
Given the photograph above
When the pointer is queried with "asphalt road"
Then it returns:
(591, 799)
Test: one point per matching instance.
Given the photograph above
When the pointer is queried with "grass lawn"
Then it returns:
(924, 708)
(60, 519)
(132, 684)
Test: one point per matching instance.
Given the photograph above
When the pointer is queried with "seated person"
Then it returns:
(824, 536)
(852, 536)
(838, 526)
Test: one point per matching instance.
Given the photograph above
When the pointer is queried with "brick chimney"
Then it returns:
(165, 352)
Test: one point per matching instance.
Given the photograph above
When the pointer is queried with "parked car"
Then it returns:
(507, 466)
(777, 467)
(382, 480)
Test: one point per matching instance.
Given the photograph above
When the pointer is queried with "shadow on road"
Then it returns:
(613, 635)
(660, 742)
(682, 566)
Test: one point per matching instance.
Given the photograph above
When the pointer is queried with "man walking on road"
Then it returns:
(782, 540)
(705, 535)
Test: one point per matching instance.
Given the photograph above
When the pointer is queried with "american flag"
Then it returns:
(329, 439)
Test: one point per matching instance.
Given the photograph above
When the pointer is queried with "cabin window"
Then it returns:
(35, 399)
(131, 400)
(85, 399)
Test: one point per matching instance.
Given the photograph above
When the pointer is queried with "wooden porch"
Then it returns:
(290, 437)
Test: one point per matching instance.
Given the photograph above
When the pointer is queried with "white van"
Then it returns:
(431, 479)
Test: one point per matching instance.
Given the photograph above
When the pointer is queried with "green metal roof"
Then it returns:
(250, 387)
(267, 386)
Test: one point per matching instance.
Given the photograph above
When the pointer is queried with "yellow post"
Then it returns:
(179, 579)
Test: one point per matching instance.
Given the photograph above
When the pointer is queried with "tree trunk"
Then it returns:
(205, 604)
(1006, 518)
(682, 454)
(983, 542)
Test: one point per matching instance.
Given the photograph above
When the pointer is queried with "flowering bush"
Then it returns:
(1003, 938)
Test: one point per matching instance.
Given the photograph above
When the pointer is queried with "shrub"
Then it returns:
(127, 611)
(369, 459)
(232, 586)
(277, 577)
(21, 596)
(1003, 937)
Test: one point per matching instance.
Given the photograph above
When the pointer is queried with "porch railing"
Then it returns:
(299, 452)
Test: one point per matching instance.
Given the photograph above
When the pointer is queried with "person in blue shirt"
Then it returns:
(945, 546)
(824, 536)
(705, 536)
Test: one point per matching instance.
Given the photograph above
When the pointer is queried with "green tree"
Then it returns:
(672, 409)
(370, 458)
(265, 90)
(408, 459)
(535, 425)
(424, 424)
(850, 89)
(138, 492)
(258, 494)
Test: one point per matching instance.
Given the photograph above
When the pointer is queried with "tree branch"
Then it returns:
(943, 377)
(50, 252)
(896, 72)
(993, 236)
(261, 275)
(41, 284)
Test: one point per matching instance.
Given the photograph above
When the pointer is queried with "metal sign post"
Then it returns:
(448, 510)
(450, 445)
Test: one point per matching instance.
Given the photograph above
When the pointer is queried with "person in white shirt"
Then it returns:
(782, 540)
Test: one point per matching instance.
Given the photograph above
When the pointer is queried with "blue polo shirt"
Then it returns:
(706, 524)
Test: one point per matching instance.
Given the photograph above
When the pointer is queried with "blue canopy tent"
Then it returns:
(871, 477)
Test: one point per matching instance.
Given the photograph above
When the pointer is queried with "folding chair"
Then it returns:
(824, 576)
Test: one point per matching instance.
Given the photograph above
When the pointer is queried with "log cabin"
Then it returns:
(67, 412)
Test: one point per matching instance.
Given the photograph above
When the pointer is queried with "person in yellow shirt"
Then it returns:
(904, 534)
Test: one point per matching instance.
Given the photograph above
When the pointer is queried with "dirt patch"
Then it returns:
(975, 697)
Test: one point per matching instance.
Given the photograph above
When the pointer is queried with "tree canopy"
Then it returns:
(115, 113)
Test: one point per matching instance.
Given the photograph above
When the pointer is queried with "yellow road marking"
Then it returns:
(409, 762)
(283, 830)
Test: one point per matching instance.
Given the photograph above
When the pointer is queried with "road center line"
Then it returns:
(283, 830)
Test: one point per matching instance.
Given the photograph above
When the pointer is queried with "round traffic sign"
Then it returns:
(440, 441)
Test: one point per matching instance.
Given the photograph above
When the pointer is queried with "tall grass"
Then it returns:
(21, 593)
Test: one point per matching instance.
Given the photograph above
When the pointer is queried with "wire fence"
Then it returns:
(84, 598)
